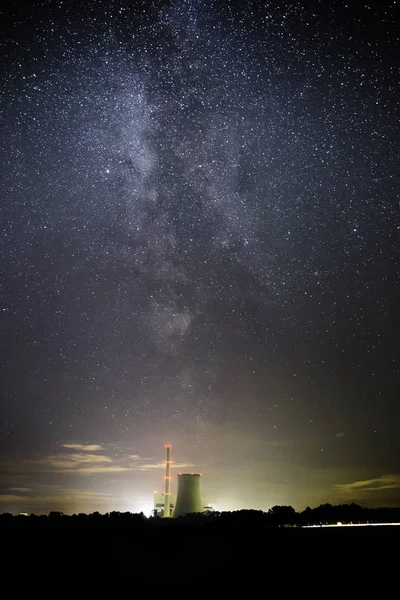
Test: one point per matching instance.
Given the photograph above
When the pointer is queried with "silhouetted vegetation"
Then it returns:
(277, 516)
(273, 543)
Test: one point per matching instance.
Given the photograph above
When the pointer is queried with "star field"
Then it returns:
(200, 244)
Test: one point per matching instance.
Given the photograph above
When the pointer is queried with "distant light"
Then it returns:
(353, 525)
(147, 509)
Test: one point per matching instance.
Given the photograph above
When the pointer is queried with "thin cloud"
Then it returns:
(62, 463)
(84, 447)
(83, 459)
(10, 498)
(70, 461)
(161, 465)
(64, 495)
(279, 443)
(104, 469)
(378, 484)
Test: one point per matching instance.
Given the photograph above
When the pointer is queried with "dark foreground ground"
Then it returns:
(237, 561)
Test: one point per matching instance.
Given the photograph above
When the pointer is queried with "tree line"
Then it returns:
(277, 516)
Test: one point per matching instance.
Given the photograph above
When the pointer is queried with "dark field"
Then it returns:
(284, 556)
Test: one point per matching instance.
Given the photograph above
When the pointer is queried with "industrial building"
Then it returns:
(159, 505)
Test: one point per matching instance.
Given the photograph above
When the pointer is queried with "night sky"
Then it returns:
(199, 245)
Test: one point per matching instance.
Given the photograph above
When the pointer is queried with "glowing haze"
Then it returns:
(199, 245)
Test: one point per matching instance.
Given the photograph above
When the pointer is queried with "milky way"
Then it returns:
(199, 227)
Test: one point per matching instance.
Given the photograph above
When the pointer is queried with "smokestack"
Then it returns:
(167, 493)
(188, 499)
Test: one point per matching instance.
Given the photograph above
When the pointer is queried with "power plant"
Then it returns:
(188, 496)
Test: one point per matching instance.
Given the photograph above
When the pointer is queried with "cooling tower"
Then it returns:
(188, 498)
